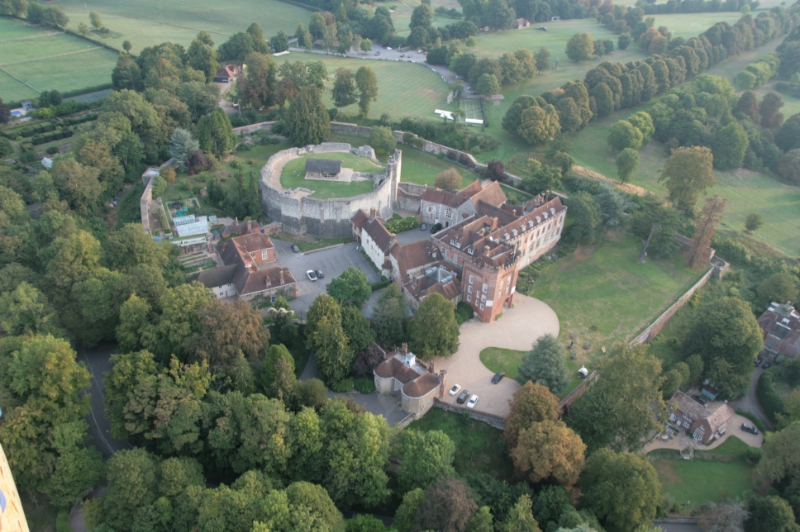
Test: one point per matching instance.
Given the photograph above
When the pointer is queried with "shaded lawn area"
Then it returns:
(733, 447)
(693, 482)
(310, 243)
(498, 359)
(293, 176)
(479, 447)
(603, 296)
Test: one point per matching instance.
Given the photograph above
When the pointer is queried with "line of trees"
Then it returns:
(611, 86)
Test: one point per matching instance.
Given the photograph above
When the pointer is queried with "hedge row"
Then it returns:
(770, 401)
(51, 136)
(46, 127)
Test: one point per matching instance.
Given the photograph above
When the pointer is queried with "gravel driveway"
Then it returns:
(517, 329)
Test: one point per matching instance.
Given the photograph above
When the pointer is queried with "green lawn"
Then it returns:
(422, 168)
(693, 482)
(293, 176)
(48, 60)
(404, 88)
(602, 296)
(499, 359)
(733, 447)
(151, 22)
(479, 447)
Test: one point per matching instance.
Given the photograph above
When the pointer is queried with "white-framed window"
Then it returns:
(469, 290)
(448, 213)
(481, 306)
(501, 284)
(485, 287)
(430, 209)
(686, 424)
(471, 277)
(468, 297)
(483, 298)
(264, 255)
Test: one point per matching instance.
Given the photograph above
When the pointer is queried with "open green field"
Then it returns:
(602, 296)
(404, 88)
(48, 60)
(422, 168)
(401, 13)
(692, 482)
(151, 22)
(479, 447)
(293, 176)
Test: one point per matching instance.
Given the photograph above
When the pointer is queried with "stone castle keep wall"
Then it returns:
(299, 213)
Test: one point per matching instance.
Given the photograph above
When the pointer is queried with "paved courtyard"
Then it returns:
(517, 329)
(332, 261)
(683, 440)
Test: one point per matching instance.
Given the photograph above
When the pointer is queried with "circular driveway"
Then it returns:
(517, 329)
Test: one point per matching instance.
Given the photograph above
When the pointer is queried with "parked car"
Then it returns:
(295, 248)
(463, 397)
(700, 399)
(423, 227)
(498, 377)
(472, 401)
(747, 427)
(312, 276)
(320, 275)
(377, 53)
(767, 365)
(402, 55)
(454, 389)
(436, 228)
(758, 361)
(541, 28)
(388, 47)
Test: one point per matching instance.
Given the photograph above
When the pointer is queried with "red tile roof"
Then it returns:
(377, 232)
(422, 385)
(415, 255)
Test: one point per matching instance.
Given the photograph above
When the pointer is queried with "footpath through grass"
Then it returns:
(479, 447)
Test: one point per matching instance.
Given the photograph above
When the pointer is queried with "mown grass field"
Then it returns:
(479, 447)
(48, 60)
(402, 10)
(293, 176)
(404, 88)
(602, 296)
(151, 22)
(693, 482)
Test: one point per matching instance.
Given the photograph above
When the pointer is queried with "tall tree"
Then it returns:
(215, 133)
(390, 316)
(78, 184)
(728, 337)
(656, 226)
(181, 146)
(617, 410)
(549, 449)
(278, 378)
(729, 146)
(520, 518)
(532, 403)
(771, 514)
(77, 467)
(428, 458)
(257, 34)
(580, 47)
(307, 121)
(699, 252)
(687, 174)
(344, 88)
(622, 489)
(545, 364)
(725, 516)
(781, 462)
(367, 84)
(350, 288)
(324, 333)
(542, 59)
(357, 328)
(434, 329)
(448, 506)
(627, 163)
(202, 56)
(257, 87)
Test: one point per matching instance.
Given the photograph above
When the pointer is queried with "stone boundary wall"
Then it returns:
(490, 419)
(411, 197)
(578, 391)
(301, 214)
(654, 328)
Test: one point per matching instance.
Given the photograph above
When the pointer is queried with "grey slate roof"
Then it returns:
(323, 166)
(219, 276)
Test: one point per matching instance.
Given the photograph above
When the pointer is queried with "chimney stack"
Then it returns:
(282, 277)
(486, 250)
(404, 348)
(373, 212)
(249, 225)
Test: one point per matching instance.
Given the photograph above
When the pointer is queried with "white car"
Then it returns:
(472, 401)
(311, 275)
(454, 389)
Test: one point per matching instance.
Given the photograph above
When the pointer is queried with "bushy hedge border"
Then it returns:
(770, 401)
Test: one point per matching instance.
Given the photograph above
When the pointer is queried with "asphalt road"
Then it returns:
(98, 362)
(749, 402)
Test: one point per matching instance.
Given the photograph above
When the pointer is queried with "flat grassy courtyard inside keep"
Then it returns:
(293, 176)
